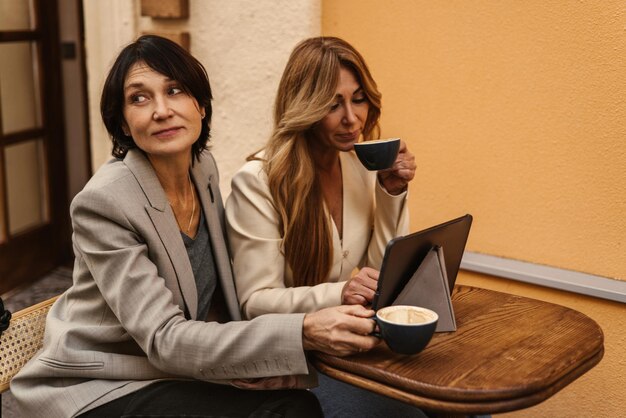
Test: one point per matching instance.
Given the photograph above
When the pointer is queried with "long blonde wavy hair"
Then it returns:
(305, 95)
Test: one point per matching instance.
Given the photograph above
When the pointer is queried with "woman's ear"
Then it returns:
(125, 129)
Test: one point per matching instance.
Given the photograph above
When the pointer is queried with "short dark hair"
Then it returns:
(165, 57)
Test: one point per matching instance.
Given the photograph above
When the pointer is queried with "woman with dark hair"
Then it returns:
(151, 325)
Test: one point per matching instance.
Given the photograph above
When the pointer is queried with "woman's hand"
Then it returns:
(339, 330)
(396, 178)
(360, 289)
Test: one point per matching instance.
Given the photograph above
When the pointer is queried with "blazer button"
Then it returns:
(346, 253)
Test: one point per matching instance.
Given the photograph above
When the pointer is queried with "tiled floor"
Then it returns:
(52, 284)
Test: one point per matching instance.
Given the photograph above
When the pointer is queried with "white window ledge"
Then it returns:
(556, 278)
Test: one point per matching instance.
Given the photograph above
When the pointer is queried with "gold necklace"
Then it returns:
(193, 204)
(193, 208)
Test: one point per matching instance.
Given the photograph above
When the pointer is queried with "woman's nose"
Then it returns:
(349, 116)
(162, 109)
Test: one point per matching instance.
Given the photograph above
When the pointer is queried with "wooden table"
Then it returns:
(508, 353)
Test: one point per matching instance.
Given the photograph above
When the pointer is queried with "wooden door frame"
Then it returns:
(20, 261)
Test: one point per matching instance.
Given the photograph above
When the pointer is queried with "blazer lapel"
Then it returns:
(165, 225)
(206, 179)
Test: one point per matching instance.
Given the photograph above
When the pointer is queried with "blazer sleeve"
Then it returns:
(111, 243)
(259, 265)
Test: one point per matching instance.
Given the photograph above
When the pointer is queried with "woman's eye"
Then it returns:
(138, 98)
(359, 99)
(334, 107)
(174, 90)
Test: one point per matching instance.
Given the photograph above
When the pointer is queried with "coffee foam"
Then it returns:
(406, 316)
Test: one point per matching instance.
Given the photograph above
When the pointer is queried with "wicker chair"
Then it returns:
(22, 339)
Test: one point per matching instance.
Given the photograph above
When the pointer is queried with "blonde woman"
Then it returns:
(307, 223)
(304, 213)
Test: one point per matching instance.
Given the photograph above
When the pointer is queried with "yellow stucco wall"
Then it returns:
(516, 112)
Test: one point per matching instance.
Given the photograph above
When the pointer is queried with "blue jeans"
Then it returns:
(340, 400)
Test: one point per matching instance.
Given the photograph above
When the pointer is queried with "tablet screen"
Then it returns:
(403, 256)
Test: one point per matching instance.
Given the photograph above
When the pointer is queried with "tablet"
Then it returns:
(403, 256)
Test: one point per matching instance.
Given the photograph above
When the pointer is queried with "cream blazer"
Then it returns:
(371, 217)
(130, 317)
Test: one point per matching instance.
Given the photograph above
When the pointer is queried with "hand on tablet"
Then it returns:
(360, 289)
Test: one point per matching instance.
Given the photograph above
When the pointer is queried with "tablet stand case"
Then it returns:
(428, 288)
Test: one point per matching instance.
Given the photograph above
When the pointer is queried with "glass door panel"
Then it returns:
(17, 15)
(20, 99)
(26, 190)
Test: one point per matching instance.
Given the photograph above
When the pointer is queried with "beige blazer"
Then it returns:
(130, 317)
(371, 217)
